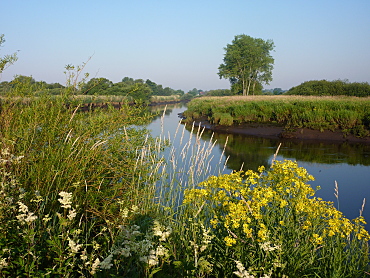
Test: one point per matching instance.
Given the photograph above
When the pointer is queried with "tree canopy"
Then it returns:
(247, 63)
(7, 60)
(331, 88)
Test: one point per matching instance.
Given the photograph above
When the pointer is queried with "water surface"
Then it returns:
(344, 163)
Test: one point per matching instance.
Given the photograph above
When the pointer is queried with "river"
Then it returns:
(346, 164)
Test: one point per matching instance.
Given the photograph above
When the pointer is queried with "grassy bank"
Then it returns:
(91, 194)
(351, 115)
(99, 99)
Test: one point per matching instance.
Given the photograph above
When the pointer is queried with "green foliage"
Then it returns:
(8, 59)
(247, 63)
(223, 119)
(158, 90)
(331, 88)
(347, 114)
(219, 92)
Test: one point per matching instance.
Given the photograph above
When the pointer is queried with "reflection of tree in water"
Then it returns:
(247, 152)
(243, 151)
(328, 153)
(256, 151)
(157, 110)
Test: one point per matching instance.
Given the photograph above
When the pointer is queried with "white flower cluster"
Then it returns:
(66, 199)
(268, 247)
(148, 249)
(3, 263)
(25, 216)
(66, 202)
(161, 231)
(241, 271)
(7, 157)
(75, 248)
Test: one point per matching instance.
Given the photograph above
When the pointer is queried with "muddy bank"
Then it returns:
(273, 131)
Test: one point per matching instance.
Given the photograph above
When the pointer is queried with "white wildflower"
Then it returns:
(268, 247)
(30, 217)
(66, 199)
(83, 255)
(3, 263)
(124, 213)
(202, 248)
(95, 266)
(22, 207)
(207, 239)
(166, 234)
(74, 246)
(152, 258)
(161, 231)
(5, 152)
(25, 216)
(241, 271)
(157, 229)
(161, 251)
(72, 214)
(107, 262)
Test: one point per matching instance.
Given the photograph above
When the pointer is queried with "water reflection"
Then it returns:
(255, 151)
(348, 164)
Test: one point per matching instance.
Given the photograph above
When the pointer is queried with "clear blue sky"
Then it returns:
(179, 44)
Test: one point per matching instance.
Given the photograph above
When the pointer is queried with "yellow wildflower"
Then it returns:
(230, 241)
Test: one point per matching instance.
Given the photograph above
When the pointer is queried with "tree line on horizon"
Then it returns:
(138, 89)
(247, 64)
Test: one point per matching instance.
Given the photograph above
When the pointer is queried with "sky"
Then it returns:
(180, 44)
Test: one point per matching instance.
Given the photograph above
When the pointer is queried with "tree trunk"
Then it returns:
(244, 88)
(249, 85)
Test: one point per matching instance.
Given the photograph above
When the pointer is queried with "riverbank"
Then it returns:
(339, 119)
(268, 130)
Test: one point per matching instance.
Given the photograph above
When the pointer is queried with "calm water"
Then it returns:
(347, 164)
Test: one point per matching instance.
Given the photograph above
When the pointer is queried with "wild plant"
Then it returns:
(270, 222)
(60, 201)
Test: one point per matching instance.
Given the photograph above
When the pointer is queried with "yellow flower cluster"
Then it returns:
(258, 205)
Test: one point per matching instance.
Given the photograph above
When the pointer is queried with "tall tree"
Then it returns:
(248, 61)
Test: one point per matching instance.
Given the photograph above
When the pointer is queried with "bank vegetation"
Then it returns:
(351, 115)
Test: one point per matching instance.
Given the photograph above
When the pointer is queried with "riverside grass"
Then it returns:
(90, 195)
(351, 115)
